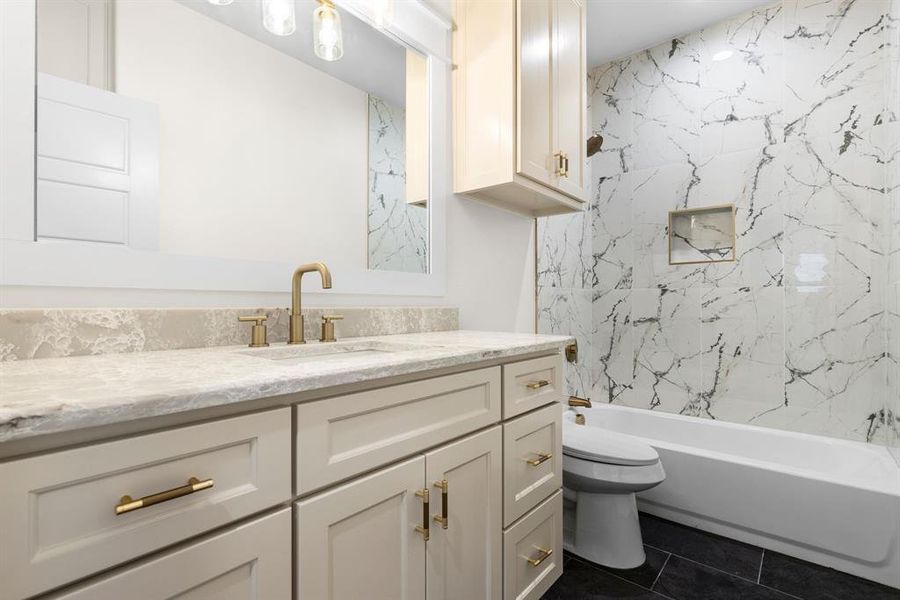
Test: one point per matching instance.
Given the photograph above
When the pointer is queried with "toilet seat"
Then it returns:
(600, 445)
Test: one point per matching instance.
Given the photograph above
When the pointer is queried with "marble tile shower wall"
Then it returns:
(892, 212)
(784, 112)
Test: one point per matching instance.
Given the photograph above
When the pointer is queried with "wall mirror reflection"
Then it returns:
(270, 130)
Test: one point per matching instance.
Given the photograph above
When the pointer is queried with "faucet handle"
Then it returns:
(258, 331)
(328, 327)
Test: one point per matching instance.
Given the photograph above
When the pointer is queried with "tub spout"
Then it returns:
(579, 402)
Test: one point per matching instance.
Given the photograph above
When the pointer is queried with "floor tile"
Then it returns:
(815, 582)
(581, 581)
(718, 552)
(682, 579)
(645, 574)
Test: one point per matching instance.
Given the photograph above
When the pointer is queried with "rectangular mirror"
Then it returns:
(227, 129)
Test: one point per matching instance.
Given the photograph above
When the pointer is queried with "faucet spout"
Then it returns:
(295, 333)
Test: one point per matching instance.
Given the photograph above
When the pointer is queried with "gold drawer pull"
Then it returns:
(542, 458)
(536, 385)
(127, 504)
(444, 518)
(426, 514)
(545, 554)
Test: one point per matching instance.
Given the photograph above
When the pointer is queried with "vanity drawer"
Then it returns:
(537, 538)
(532, 460)
(249, 562)
(530, 384)
(58, 511)
(340, 437)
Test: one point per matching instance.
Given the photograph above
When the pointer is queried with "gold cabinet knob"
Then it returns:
(258, 331)
(328, 327)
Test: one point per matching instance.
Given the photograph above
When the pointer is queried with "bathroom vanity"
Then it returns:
(406, 466)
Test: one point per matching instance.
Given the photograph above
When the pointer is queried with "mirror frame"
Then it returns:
(26, 261)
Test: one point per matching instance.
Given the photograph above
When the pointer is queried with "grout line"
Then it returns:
(714, 568)
(762, 557)
(661, 569)
(611, 574)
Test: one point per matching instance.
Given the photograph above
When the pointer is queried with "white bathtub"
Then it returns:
(828, 501)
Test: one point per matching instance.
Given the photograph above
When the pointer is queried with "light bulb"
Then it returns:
(382, 13)
(328, 40)
(221, 2)
(278, 16)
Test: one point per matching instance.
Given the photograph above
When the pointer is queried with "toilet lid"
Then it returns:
(604, 446)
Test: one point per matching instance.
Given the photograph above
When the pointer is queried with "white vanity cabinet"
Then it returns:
(439, 486)
(519, 103)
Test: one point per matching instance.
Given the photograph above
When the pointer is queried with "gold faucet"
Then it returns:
(295, 333)
(579, 402)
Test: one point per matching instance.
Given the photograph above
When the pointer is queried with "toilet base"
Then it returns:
(607, 530)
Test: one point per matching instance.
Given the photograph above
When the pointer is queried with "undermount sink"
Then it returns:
(307, 353)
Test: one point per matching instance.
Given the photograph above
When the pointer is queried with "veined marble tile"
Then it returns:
(612, 345)
(892, 76)
(834, 66)
(834, 346)
(36, 333)
(610, 99)
(666, 102)
(612, 245)
(741, 82)
(667, 351)
(569, 312)
(742, 335)
(834, 211)
(398, 232)
(564, 251)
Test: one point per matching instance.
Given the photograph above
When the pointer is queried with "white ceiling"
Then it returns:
(617, 28)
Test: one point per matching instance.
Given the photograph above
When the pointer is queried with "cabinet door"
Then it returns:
(569, 74)
(359, 540)
(464, 555)
(535, 88)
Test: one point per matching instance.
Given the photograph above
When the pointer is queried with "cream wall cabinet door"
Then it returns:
(249, 562)
(359, 540)
(464, 555)
(519, 104)
(569, 93)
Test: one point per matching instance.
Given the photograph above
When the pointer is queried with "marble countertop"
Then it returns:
(54, 395)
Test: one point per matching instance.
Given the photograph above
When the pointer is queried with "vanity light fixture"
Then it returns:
(328, 40)
(221, 2)
(278, 16)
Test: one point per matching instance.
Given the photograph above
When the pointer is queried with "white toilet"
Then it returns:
(602, 470)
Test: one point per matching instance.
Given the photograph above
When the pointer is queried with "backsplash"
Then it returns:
(35, 333)
(788, 113)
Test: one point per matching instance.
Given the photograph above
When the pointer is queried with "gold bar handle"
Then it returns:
(444, 518)
(559, 163)
(536, 385)
(545, 554)
(426, 515)
(565, 158)
(542, 458)
(127, 504)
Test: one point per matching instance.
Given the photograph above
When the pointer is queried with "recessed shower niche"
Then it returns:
(702, 235)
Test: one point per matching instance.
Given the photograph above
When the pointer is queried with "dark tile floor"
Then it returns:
(688, 564)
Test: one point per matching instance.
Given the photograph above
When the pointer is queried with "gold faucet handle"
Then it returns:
(328, 327)
(258, 331)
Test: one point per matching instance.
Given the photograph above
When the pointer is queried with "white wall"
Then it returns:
(262, 157)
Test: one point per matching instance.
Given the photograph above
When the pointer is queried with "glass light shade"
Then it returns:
(328, 41)
(221, 2)
(278, 16)
(382, 13)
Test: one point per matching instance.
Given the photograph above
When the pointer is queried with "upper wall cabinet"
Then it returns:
(519, 104)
